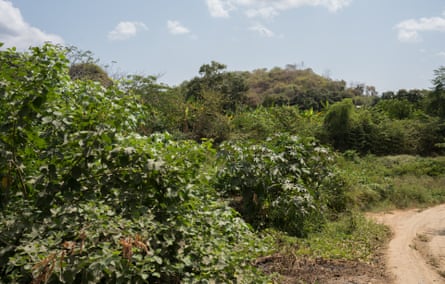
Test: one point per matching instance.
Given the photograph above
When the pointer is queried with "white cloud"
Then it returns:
(268, 8)
(176, 28)
(409, 30)
(15, 31)
(220, 8)
(408, 35)
(264, 12)
(125, 30)
(331, 5)
(262, 30)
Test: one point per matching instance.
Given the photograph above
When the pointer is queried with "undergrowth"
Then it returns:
(403, 181)
(351, 237)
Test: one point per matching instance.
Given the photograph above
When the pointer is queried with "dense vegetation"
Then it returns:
(135, 181)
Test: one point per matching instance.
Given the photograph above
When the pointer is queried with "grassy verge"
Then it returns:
(352, 237)
(382, 183)
(343, 250)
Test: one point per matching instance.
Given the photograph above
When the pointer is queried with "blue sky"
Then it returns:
(390, 44)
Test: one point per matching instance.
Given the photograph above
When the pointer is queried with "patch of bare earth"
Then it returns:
(292, 269)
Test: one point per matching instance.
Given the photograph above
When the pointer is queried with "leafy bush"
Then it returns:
(85, 199)
(338, 124)
(284, 182)
(154, 219)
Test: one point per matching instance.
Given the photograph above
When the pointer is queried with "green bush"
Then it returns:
(284, 182)
(338, 124)
(86, 199)
(264, 122)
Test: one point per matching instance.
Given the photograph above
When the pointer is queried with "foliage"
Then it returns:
(439, 79)
(166, 106)
(287, 182)
(76, 55)
(436, 99)
(204, 119)
(86, 199)
(338, 123)
(396, 109)
(90, 71)
(264, 122)
(229, 86)
(257, 124)
(93, 190)
(27, 82)
(292, 86)
(391, 127)
(210, 100)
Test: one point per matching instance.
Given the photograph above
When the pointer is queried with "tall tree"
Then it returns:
(214, 78)
(439, 79)
(338, 124)
(436, 99)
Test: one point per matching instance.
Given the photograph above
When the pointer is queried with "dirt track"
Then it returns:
(416, 253)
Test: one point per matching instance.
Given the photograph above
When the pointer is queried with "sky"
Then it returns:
(389, 44)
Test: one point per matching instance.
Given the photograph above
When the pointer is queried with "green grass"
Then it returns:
(381, 183)
(352, 237)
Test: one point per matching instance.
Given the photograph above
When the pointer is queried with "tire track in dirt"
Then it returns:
(416, 253)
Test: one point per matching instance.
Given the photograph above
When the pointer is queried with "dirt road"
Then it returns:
(416, 254)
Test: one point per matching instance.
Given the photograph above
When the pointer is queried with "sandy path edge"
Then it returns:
(405, 260)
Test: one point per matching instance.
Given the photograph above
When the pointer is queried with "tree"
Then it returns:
(231, 86)
(338, 124)
(90, 71)
(165, 104)
(436, 99)
(439, 79)
(211, 70)
(396, 108)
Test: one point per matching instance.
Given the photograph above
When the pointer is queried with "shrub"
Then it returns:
(284, 182)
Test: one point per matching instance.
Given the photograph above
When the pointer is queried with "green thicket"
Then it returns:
(91, 191)
(136, 181)
(392, 126)
(86, 199)
(226, 105)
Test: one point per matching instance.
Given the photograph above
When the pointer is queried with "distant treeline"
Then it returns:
(219, 104)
